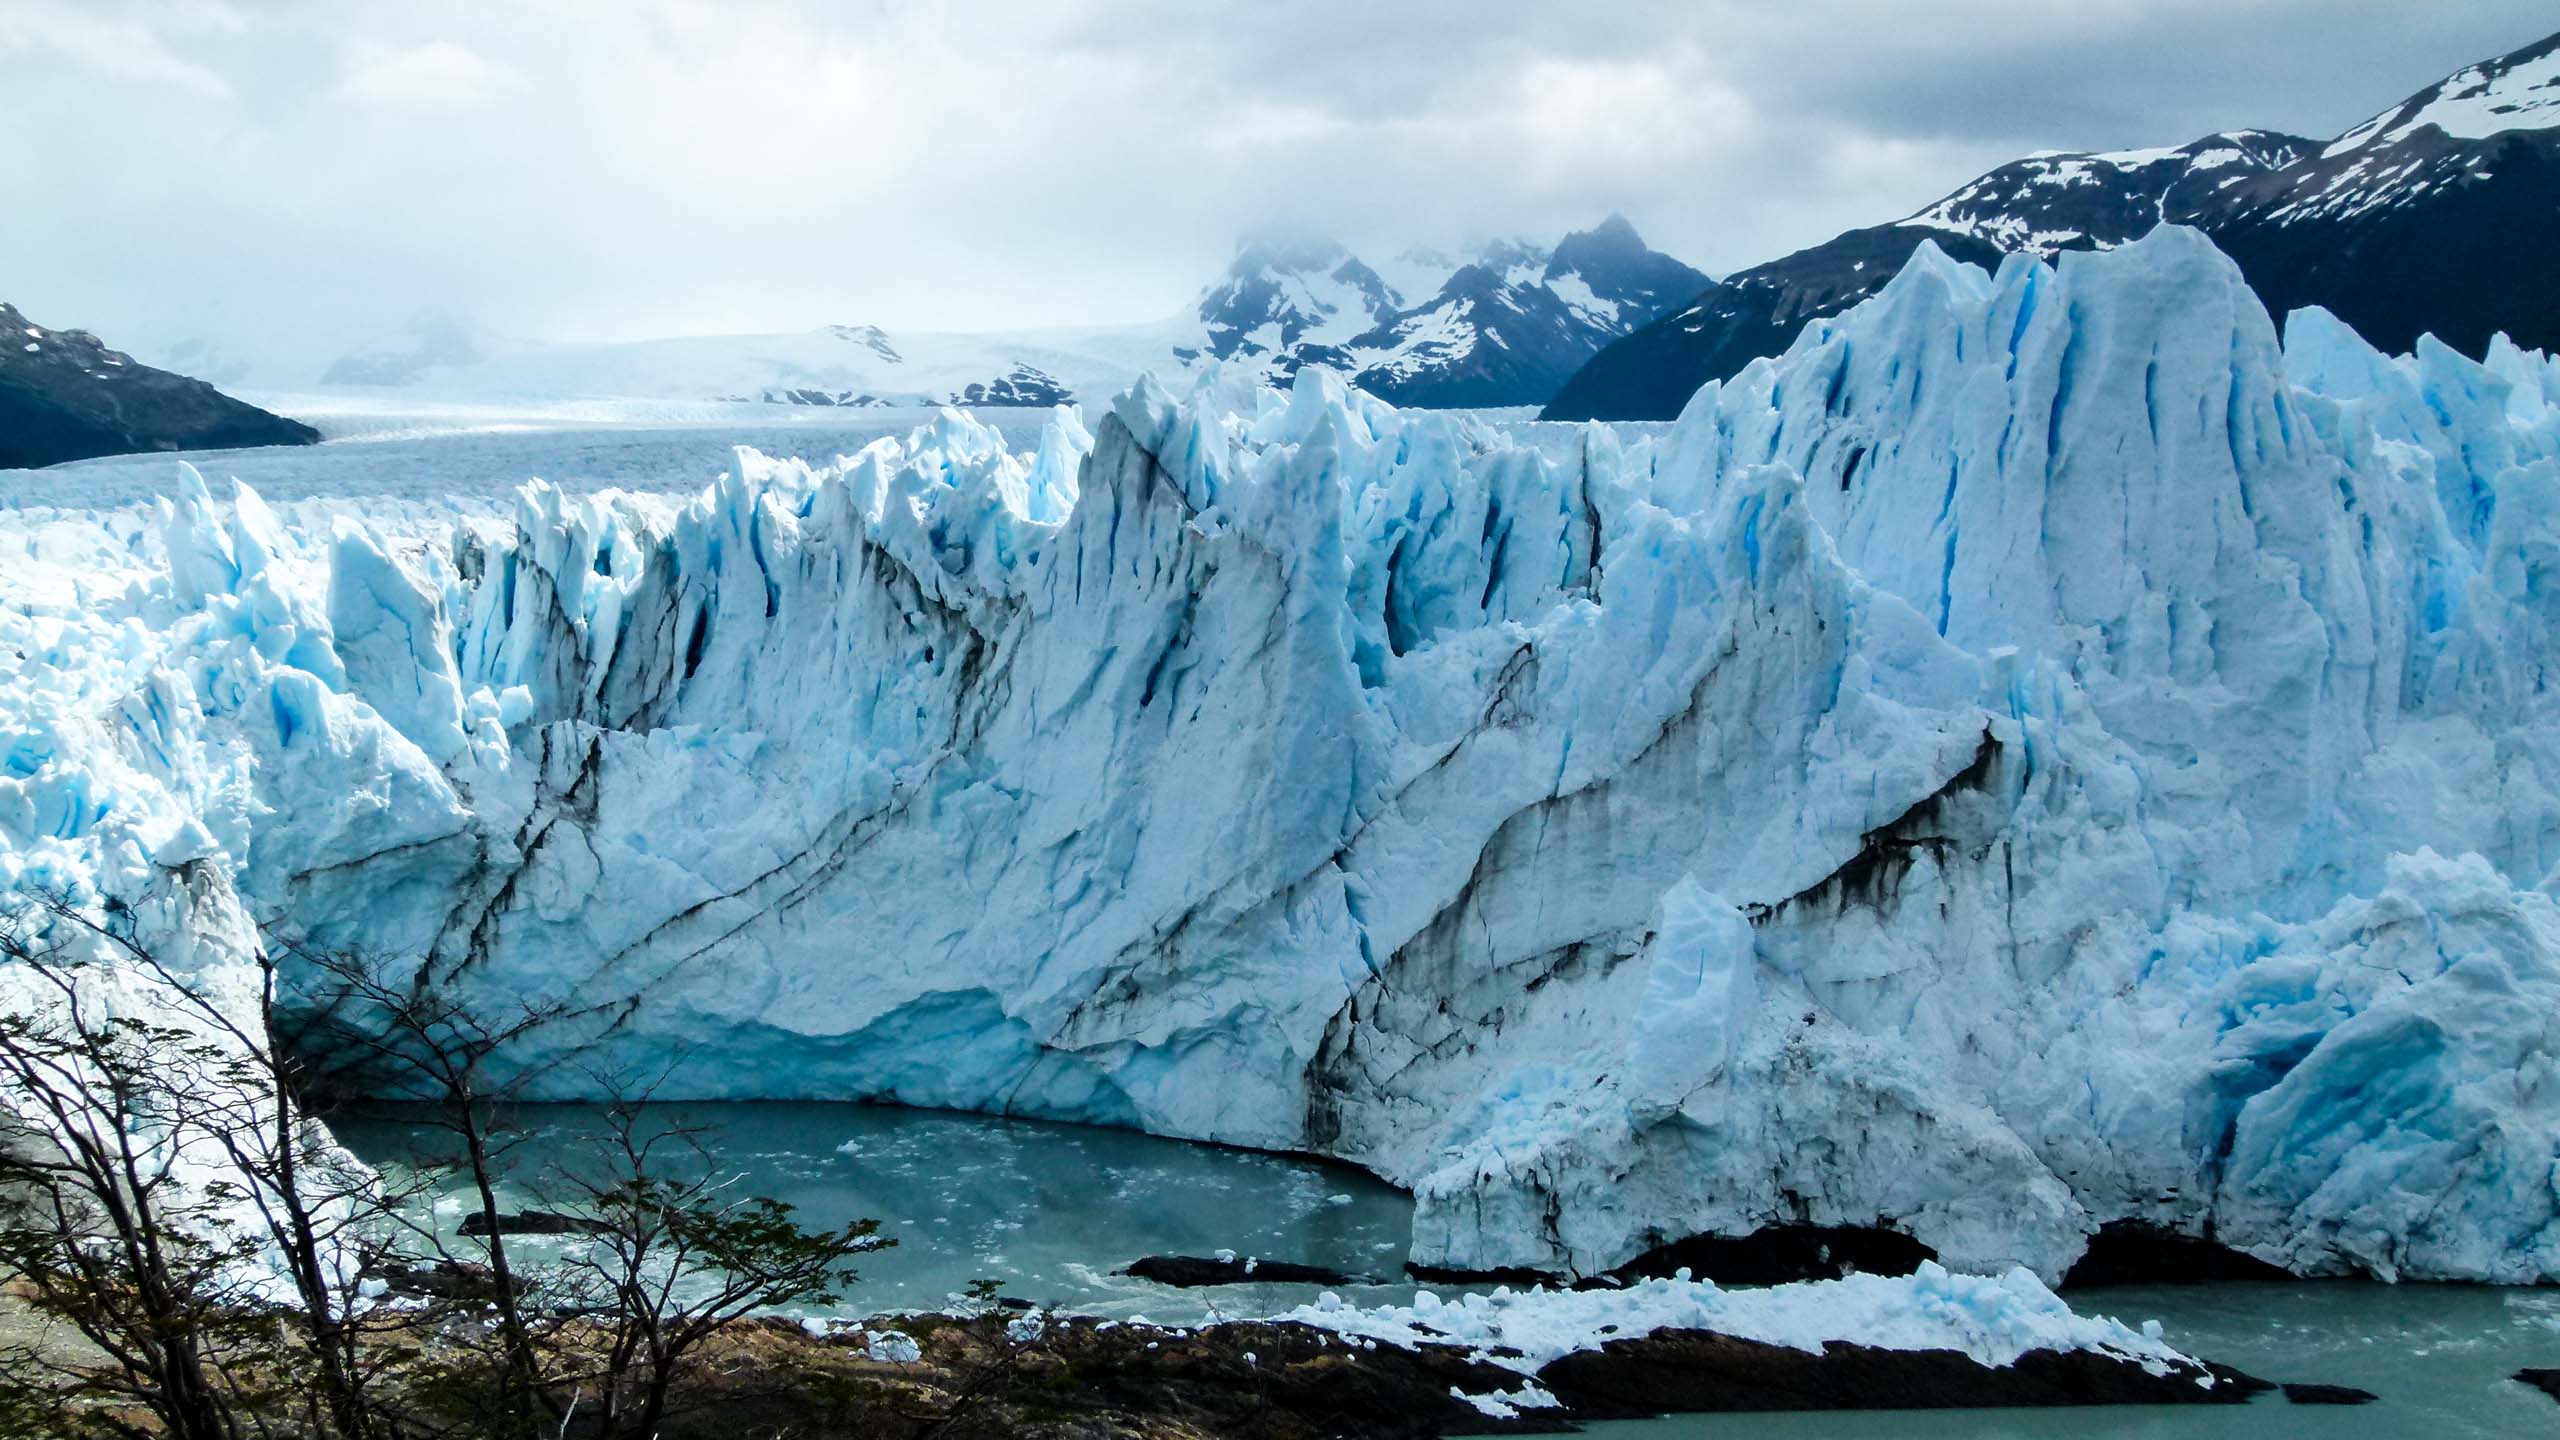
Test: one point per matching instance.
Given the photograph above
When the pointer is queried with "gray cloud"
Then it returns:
(291, 173)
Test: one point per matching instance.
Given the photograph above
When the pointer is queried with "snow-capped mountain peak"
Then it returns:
(1609, 274)
(1501, 323)
(1520, 318)
(2518, 91)
(1284, 291)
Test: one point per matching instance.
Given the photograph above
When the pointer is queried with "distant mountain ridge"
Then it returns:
(65, 396)
(2438, 216)
(432, 338)
(1501, 325)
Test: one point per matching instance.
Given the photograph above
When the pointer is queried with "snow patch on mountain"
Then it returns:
(1283, 293)
(2056, 200)
(2516, 92)
(2403, 227)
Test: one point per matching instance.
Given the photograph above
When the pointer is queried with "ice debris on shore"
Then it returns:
(1993, 1319)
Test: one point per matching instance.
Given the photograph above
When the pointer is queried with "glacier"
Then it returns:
(2048, 750)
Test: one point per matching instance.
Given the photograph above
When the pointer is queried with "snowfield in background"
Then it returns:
(2039, 753)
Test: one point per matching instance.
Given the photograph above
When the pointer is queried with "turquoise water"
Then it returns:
(1051, 1210)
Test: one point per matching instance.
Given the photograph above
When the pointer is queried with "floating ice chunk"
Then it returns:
(892, 1347)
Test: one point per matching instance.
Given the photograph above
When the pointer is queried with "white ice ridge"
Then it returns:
(1992, 1319)
(2034, 755)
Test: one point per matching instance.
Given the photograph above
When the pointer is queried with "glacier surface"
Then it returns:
(2044, 751)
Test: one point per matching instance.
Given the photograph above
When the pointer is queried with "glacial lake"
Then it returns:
(1051, 1210)
(467, 460)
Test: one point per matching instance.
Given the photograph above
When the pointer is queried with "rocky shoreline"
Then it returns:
(1284, 1379)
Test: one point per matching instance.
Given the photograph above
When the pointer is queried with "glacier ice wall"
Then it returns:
(2039, 753)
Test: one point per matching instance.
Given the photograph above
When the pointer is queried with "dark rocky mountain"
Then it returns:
(2438, 215)
(65, 396)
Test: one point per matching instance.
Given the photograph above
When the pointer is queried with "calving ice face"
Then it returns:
(2040, 755)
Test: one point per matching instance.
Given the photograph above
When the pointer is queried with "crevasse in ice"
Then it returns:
(2041, 752)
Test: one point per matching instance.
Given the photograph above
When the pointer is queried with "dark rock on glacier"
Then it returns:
(65, 396)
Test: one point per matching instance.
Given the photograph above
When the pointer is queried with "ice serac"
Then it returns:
(2044, 751)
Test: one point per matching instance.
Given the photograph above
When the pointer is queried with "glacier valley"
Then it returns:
(2049, 750)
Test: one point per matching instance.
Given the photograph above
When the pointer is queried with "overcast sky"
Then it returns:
(622, 168)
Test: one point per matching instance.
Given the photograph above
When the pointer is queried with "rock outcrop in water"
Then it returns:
(2039, 754)
(1227, 1268)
